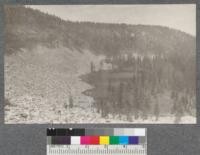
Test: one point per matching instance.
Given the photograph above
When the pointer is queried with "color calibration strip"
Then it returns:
(107, 141)
(95, 140)
(119, 136)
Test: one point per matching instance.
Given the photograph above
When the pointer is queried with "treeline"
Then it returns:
(134, 85)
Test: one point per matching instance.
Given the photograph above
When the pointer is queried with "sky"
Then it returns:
(177, 16)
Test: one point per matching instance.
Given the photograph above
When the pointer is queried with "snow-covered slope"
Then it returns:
(42, 80)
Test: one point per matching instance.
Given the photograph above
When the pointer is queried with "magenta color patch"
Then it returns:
(85, 140)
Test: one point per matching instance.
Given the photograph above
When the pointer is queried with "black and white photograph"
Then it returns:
(100, 64)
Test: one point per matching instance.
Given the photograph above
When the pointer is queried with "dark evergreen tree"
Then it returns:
(71, 102)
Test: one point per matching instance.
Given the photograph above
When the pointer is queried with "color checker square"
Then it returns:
(94, 140)
(123, 140)
(85, 140)
(104, 140)
(133, 140)
(75, 140)
(114, 140)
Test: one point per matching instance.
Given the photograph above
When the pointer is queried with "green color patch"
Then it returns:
(114, 140)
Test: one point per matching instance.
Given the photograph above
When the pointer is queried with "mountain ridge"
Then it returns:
(38, 28)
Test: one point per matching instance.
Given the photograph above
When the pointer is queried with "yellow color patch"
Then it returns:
(104, 140)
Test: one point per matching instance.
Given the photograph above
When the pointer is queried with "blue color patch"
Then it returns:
(123, 140)
(133, 140)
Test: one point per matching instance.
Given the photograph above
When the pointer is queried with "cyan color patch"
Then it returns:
(123, 139)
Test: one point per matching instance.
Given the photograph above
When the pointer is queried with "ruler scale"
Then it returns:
(76, 150)
(119, 141)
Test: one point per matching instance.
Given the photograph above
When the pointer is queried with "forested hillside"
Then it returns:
(36, 28)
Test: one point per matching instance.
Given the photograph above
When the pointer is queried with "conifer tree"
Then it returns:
(71, 102)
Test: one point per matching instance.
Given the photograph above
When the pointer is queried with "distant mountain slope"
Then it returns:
(37, 28)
